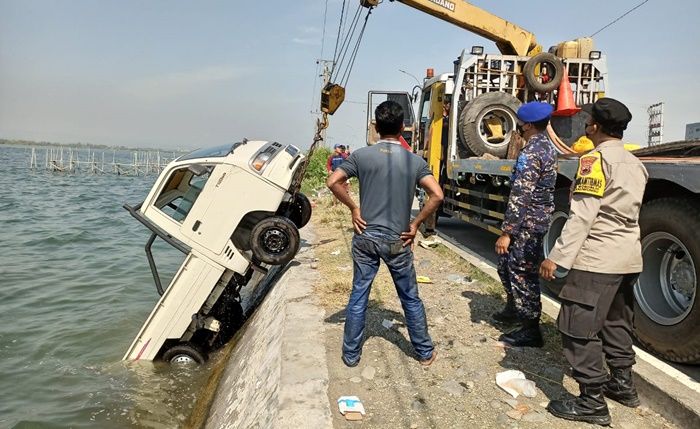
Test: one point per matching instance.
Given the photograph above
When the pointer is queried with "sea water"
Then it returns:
(75, 287)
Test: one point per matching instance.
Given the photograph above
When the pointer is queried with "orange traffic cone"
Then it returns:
(566, 106)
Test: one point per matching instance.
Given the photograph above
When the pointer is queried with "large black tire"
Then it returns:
(667, 306)
(275, 240)
(554, 67)
(184, 353)
(300, 210)
(473, 128)
(559, 217)
(570, 128)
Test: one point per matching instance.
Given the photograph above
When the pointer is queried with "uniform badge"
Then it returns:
(586, 165)
(590, 178)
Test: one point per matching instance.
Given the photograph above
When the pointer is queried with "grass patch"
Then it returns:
(334, 229)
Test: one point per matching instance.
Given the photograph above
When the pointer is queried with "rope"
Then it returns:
(620, 17)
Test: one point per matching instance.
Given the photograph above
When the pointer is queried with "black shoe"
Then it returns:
(508, 314)
(527, 336)
(589, 407)
(350, 363)
(620, 387)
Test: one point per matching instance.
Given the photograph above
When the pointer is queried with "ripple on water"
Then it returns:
(75, 288)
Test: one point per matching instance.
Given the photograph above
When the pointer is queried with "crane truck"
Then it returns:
(466, 131)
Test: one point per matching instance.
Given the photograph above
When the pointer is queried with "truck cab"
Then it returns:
(232, 210)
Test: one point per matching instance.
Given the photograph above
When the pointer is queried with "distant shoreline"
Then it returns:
(7, 142)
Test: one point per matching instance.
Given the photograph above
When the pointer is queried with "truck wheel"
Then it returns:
(300, 210)
(559, 217)
(184, 354)
(487, 123)
(667, 308)
(274, 240)
(533, 74)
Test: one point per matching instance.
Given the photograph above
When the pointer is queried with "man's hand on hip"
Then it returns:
(409, 236)
(357, 222)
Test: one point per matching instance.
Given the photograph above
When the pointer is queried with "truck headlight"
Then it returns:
(260, 161)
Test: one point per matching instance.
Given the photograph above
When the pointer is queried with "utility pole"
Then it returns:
(655, 133)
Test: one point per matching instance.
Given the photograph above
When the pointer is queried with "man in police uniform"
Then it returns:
(600, 244)
(530, 206)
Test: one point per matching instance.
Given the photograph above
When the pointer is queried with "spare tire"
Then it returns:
(555, 71)
(570, 128)
(474, 122)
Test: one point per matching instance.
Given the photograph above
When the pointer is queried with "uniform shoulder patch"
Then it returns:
(590, 178)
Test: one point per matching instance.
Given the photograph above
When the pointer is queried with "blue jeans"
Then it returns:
(367, 250)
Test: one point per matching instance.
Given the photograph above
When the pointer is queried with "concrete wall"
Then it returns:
(277, 374)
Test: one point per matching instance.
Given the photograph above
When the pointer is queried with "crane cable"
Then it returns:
(340, 29)
(339, 58)
(346, 76)
(620, 17)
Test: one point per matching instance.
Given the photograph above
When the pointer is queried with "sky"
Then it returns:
(188, 74)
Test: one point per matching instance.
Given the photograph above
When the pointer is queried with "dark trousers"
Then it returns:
(596, 320)
(518, 270)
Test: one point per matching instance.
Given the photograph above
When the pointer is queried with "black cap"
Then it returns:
(609, 113)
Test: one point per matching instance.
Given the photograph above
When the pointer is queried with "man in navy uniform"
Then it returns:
(530, 206)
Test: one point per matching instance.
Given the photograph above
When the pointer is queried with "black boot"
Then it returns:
(589, 407)
(620, 387)
(508, 314)
(527, 336)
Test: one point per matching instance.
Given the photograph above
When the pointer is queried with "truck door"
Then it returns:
(375, 98)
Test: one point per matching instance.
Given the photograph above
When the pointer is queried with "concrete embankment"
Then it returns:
(276, 374)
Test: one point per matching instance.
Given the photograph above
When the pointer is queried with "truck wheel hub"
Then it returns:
(666, 288)
(683, 278)
(274, 240)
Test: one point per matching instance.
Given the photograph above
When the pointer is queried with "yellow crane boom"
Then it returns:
(510, 38)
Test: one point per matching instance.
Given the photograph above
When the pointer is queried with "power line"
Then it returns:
(620, 17)
(323, 35)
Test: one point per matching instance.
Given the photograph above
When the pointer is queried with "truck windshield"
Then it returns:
(211, 152)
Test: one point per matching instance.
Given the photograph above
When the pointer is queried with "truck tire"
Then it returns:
(667, 307)
(497, 106)
(570, 128)
(559, 217)
(300, 210)
(184, 354)
(554, 66)
(274, 240)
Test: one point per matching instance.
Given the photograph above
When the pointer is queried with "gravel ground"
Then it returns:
(459, 389)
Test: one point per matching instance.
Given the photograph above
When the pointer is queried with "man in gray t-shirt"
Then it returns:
(388, 175)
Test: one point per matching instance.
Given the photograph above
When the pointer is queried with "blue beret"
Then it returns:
(535, 111)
